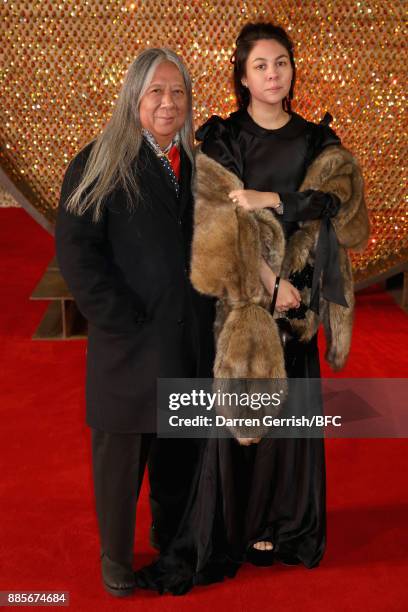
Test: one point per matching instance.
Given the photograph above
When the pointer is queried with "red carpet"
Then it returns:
(48, 533)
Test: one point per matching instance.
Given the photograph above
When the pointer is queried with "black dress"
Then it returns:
(274, 490)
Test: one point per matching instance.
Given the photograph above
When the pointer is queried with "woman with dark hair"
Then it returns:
(287, 199)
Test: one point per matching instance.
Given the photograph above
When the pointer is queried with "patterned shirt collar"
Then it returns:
(162, 155)
(155, 145)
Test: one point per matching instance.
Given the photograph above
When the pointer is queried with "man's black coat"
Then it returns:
(129, 274)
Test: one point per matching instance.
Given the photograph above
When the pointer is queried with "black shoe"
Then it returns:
(118, 579)
(261, 558)
(287, 559)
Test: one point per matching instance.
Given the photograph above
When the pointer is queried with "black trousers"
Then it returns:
(119, 462)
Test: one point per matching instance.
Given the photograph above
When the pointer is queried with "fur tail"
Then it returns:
(249, 345)
(249, 360)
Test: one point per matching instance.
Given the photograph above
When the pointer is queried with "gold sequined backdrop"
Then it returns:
(63, 62)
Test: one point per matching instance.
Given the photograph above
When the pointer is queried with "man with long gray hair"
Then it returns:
(123, 238)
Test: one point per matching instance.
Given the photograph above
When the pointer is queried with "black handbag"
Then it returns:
(300, 280)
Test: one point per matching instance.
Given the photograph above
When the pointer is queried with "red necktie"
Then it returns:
(174, 158)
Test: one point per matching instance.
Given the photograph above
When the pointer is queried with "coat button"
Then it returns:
(180, 321)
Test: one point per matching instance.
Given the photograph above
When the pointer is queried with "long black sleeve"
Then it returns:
(312, 204)
(309, 205)
(82, 253)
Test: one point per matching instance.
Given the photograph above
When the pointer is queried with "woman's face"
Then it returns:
(268, 72)
(163, 106)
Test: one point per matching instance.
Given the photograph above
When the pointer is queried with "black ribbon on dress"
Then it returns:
(327, 267)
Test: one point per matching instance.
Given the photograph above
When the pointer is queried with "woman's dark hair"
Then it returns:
(248, 36)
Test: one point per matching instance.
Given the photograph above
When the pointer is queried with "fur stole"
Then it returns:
(227, 248)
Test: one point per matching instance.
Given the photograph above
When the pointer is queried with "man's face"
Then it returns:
(163, 107)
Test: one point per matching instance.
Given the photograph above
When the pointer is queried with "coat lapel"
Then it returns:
(185, 182)
(156, 182)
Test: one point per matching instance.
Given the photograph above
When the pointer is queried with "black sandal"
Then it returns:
(261, 558)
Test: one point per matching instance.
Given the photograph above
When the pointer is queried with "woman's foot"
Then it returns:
(261, 553)
(263, 545)
(248, 441)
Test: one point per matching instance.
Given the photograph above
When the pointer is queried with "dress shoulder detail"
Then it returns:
(214, 127)
(321, 135)
(219, 141)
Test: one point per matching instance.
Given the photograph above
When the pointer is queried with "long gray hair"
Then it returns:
(117, 148)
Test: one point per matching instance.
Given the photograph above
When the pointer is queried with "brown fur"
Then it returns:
(226, 253)
(335, 170)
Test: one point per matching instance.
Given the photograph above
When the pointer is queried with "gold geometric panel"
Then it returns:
(64, 61)
(7, 200)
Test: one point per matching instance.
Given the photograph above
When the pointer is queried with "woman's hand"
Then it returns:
(288, 296)
(252, 200)
(248, 441)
